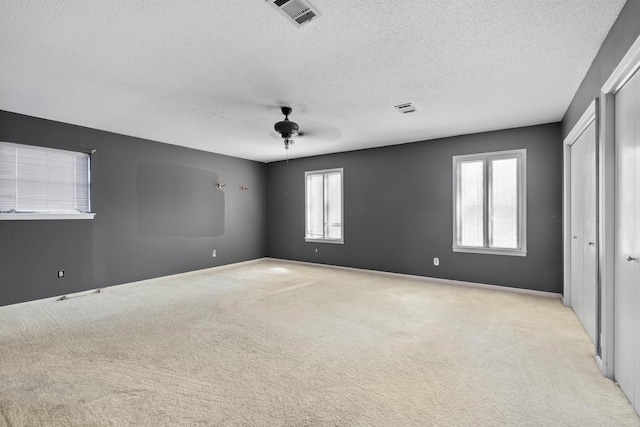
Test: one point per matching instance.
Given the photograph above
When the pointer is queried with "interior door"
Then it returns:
(577, 255)
(583, 229)
(627, 294)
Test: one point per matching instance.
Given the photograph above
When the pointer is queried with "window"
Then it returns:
(490, 203)
(323, 206)
(43, 183)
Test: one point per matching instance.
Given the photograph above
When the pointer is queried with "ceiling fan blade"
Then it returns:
(319, 130)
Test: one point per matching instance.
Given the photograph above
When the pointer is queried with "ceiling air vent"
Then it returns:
(299, 12)
(406, 108)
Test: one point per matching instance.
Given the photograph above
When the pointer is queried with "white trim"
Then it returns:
(582, 124)
(101, 290)
(40, 216)
(625, 69)
(53, 204)
(629, 64)
(566, 224)
(321, 239)
(521, 156)
(588, 117)
(490, 251)
(606, 230)
(429, 279)
(336, 267)
(334, 241)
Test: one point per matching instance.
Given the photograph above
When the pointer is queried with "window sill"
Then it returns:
(338, 242)
(40, 216)
(490, 251)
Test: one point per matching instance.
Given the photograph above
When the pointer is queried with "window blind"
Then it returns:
(471, 204)
(43, 180)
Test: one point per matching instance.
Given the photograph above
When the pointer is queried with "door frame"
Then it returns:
(627, 67)
(589, 116)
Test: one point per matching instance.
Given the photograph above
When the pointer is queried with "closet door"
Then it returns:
(589, 232)
(577, 240)
(583, 229)
(627, 280)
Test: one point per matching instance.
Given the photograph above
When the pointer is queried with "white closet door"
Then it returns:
(627, 294)
(583, 229)
(577, 240)
(633, 258)
(589, 230)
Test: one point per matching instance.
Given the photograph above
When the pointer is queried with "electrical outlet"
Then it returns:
(60, 274)
(436, 261)
(214, 254)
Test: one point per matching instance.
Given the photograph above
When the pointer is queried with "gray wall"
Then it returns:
(398, 210)
(135, 234)
(624, 32)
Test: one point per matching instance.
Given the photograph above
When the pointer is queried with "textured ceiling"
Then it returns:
(211, 74)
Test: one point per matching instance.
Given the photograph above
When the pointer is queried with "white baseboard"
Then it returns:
(237, 264)
(104, 289)
(599, 363)
(433, 279)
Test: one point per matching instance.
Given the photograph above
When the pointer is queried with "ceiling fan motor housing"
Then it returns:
(286, 128)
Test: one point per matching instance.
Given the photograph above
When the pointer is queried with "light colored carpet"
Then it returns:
(281, 344)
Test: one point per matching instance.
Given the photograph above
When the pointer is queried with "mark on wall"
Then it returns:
(179, 201)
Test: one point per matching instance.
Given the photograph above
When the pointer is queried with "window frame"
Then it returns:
(521, 156)
(46, 215)
(323, 172)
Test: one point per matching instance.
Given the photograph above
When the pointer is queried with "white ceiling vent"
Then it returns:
(299, 12)
(405, 108)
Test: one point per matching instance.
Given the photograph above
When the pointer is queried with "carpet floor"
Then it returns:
(274, 343)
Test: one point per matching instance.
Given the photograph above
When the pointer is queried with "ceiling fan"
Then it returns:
(317, 131)
(286, 128)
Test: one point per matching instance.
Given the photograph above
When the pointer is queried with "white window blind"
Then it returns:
(36, 180)
(503, 204)
(490, 203)
(323, 206)
(471, 218)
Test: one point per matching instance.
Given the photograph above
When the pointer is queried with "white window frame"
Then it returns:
(45, 215)
(324, 239)
(521, 156)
